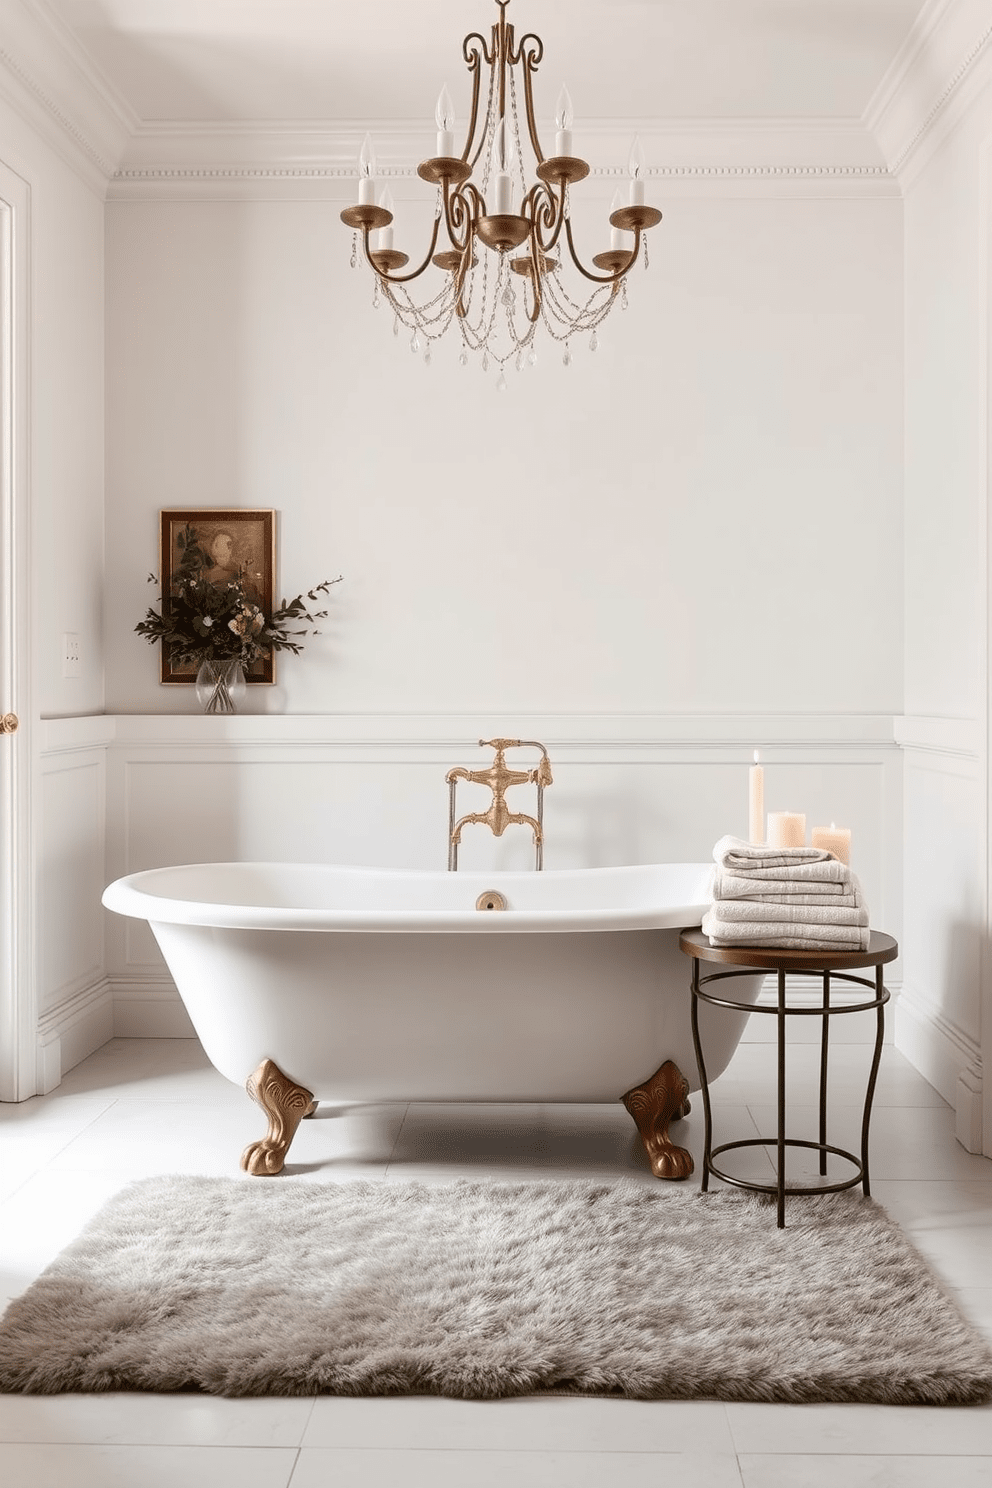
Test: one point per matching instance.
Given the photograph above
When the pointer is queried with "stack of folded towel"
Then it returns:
(799, 898)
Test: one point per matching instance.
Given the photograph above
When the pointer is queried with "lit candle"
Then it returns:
(366, 173)
(786, 829)
(756, 803)
(445, 117)
(502, 160)
(564, 114)
(635, 167)
(386, 233)
(834, 839)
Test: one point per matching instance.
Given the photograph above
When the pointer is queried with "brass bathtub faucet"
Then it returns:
(499, 777)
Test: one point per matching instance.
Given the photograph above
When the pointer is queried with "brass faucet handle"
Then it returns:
(500, 743)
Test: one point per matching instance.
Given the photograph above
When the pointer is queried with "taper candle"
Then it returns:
(366, 173)
(756, 803)
(444, 114)
(834, 839)
(786, 829)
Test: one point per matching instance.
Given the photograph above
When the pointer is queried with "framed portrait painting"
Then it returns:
(236, 543)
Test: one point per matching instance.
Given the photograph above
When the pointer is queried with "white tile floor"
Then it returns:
(138, 1107)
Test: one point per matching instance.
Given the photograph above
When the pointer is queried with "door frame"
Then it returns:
(18, 981)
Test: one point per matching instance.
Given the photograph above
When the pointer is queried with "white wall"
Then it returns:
(948, 279)
(646, 559)
(694, 519)
(61, 976)
(66, 416)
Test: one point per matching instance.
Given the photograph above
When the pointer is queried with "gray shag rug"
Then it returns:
(478, 1290)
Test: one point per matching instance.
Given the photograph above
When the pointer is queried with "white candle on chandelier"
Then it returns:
(445, 117)
(635, 167)
(564, 114)
(386, 233)
(616, 233)
(503, 154)
(366, 173)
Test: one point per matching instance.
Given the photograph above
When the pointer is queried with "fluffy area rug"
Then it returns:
(478, 1290)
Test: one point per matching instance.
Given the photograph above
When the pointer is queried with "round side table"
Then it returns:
(831, 966)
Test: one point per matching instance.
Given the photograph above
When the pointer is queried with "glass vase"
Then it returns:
(220, 686)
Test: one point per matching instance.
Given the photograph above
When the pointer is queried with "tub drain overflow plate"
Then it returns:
(491, 899)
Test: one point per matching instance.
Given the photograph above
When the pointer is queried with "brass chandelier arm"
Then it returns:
(474, 63)
(400, 278)
(460, 274)
(459, 215)
(531, 59)
(613, 279)
(534, 313)
(547, 212)
(502, 49)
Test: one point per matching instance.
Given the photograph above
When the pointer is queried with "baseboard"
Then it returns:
(149, 1007)
(71, 1030)
(947, 1058)
(807, 991)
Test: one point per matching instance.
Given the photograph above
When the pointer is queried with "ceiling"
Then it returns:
(261, 61)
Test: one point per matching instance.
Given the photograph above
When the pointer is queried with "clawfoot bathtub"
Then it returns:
(311, 982)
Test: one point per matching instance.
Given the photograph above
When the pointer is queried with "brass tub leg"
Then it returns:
(285, 1104)
(660, 1100)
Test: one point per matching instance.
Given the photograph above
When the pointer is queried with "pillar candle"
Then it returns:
(836, 840)
(786, 829)
(756, 803)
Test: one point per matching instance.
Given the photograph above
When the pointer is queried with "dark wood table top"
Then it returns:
(881, 949)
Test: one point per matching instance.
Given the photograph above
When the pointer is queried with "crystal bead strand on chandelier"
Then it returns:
(493, 226)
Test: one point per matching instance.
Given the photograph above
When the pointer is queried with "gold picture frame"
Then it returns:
(246, 549)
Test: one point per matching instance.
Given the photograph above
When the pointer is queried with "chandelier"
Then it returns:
(501, 262)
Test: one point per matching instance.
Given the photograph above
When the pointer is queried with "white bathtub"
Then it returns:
(363, 985)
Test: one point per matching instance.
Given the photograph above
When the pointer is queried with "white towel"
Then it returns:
(734, 855)
(731, 886)
(784, 934)
(754, 911)
(809, 867)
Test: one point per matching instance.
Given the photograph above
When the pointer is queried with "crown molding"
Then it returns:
(945, 62)
(48, 78)
(287, 158)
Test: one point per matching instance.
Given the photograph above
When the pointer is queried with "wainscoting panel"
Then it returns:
(75, 998)
(371, 791)
(939, 1018)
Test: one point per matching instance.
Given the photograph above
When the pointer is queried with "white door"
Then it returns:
(18, 1000)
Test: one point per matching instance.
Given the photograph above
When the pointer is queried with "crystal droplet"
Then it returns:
(415, 343)
(532, 358)
(508, 298)
(593, 342)
(566, 355)
(501, 381)
(463, 358)
(623, 295)
(427, 357)
(375, 295)
(396, 325)
(485, 361)
(519, 360)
